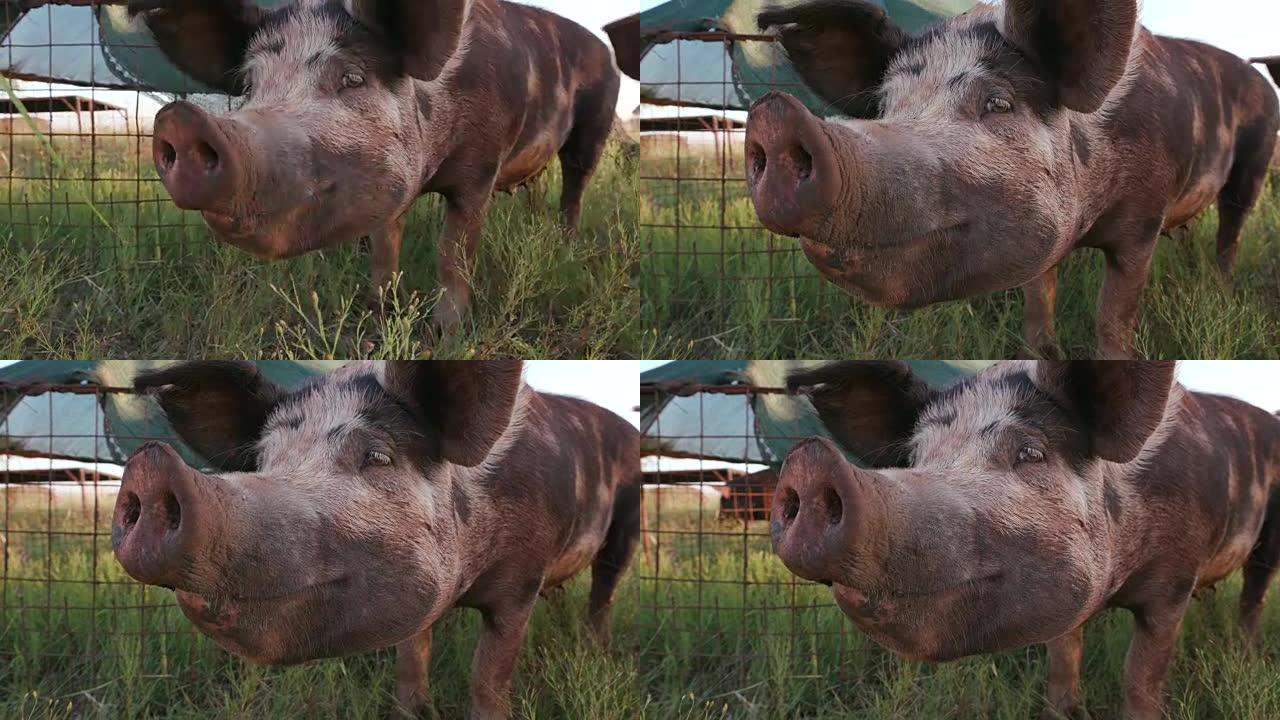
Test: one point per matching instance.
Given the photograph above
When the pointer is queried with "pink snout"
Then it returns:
(791, 166)
(194, 157)
(157, 524)
(818, 522)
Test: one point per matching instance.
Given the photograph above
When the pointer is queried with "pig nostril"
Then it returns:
(835, 509)
(804, 164)
(168, 156)
(790, 504)
(758, 160)
(172, 511)
(132, 509)
(208, 156)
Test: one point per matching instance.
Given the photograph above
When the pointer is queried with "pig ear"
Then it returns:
(1120, 402)
(423, 33)
(1083, 44)
(218, 408)
(841, 48)
(206, 39)
(869, 407)
(466, 405)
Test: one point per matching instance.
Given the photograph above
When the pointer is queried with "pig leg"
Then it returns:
(385, 261)
(1254, 148)
(1259, 570)
(578, 160)
(413, 657)
(1037, 320)
(1155, 638)
(1065, 655)
(495, 658)
(1128, 265)
(612, 559)
(462, 224)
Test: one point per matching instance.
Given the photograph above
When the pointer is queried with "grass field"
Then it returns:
(114, 649)
(771, 648)
(691, 641)
(98, 262)
(719, 285)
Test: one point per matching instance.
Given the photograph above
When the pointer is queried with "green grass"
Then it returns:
(771, 647)
(719, 285)
(70, 648)
(151, 281)
(707, 624)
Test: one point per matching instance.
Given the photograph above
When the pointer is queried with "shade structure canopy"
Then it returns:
(723, 67)
(716, 410)
(92, 426)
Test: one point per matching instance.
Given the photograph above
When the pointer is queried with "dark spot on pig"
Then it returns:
(335, 433)
(1080, 142)
(990, 428)
(1112, 499)
(914, 69)
(531, 587)
(958, 80)
(275, 47)
(117, 535)
(461, 504)
(775, 529)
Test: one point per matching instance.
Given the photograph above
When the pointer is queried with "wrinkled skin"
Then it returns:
(351, 114)
(975, 156)
(350, 514)
(1012, 507)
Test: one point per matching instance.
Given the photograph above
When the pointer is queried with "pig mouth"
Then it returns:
(858, 265)
(223, 615)
(885, 606)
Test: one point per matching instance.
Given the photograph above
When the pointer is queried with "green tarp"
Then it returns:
(101, 46)
(77, 427)
(729, 75)
(747, 428)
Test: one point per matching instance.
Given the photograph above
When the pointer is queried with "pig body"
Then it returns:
(975, 156)
(354, 111)
(352, 513)
(1012, 507)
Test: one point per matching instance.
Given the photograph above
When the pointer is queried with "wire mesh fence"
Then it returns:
(708, 264)
(71, 621)
(727, 620)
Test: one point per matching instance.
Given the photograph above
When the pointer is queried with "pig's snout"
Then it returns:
(791, 166)
(154, 525)
(193, 156)
(817, 511)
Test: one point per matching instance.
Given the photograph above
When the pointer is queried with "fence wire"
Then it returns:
(71, 621)
(723, 616)
(706, 257)
(77, 154)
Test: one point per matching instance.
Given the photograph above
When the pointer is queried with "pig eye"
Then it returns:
(375, 458)
(1028, 454)
(352, 80)
(998, 105)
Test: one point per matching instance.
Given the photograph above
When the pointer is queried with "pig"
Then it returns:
(1013, 506)
(974, 156)
(352, 112)
(350, 514)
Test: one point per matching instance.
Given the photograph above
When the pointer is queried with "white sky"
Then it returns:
(1256, 381)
